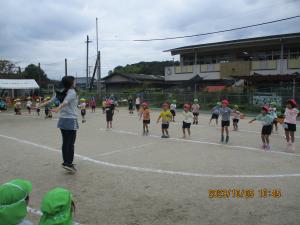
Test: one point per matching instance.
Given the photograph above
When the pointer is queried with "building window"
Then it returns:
(212, 59)
(188, 60)
(294, 53)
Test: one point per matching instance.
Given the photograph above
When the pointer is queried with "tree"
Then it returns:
(8, 70)
(150, 68)
(34, 72)
(7, 66)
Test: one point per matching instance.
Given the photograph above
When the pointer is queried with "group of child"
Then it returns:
(30, 107)
(268, 117)
(289, 124)
(57, 205)
(48, 114)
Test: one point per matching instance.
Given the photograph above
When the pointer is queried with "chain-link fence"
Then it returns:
(247, 101)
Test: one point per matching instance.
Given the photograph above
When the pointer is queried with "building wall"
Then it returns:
(237, 68)
(187, 72)
(284, 66)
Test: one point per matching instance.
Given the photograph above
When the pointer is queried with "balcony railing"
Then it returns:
(184, 69)
(264, 65)
(210, 67)
(293, 63)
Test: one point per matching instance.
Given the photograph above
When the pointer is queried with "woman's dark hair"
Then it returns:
(67, 82)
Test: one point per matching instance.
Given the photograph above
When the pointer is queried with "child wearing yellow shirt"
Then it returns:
(166, 117)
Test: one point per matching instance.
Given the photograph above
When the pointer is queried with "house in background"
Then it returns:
(120, 81)
(81, 82)
(222, 62)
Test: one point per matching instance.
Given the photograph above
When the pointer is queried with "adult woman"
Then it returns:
(67, 123)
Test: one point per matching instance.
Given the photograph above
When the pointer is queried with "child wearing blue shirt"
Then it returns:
(267, 122)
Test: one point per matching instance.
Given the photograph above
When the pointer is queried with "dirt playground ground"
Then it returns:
(125, 178)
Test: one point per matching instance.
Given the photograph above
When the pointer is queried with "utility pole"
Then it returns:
(39, 65)
(66, 67)
(99, 61)
(87, 61)
(294, 87)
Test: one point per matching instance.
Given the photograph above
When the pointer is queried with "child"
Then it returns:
(82, 109)
(266, 131)
(57, 207)
(93, 104)
(28, 105)
(187, 120)
(137, 103)
(14, 199)
(273, 113)
(17, 106)
(195, 111)
(114, 105)
(145, 112)
(290, 116)
(109, 114)
(37, 106)
(103, 105)
(48, 113)
(166, 117)
(236, 115)
(173, 109)
(225, 122)
(215, 113)
(130, 105)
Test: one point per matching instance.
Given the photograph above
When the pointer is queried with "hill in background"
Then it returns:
(150, 68)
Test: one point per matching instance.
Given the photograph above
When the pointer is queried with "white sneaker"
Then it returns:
(292, 147)
(288, 146)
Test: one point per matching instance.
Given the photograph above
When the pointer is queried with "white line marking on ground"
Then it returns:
(42, 117)
(240, 130)
(208, 143)
(152, 170)
(37, 212)
(124, 149)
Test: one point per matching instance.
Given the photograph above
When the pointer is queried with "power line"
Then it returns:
(62, 62)
(214, 32)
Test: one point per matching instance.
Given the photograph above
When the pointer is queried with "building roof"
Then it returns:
(248, 42)
(18, 84)
(136, 77)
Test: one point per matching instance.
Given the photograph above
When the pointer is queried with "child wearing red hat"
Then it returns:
(290, 117)
(187, 120)
(267, 122)
(225, 113)
(145, 113)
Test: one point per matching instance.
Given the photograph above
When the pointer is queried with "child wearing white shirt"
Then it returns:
(290, 117)
(173, 110)
(187, 120)
(28, 105)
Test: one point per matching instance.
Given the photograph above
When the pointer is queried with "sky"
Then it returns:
(48, 31)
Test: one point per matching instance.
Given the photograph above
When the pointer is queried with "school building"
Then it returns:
(220, 63)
